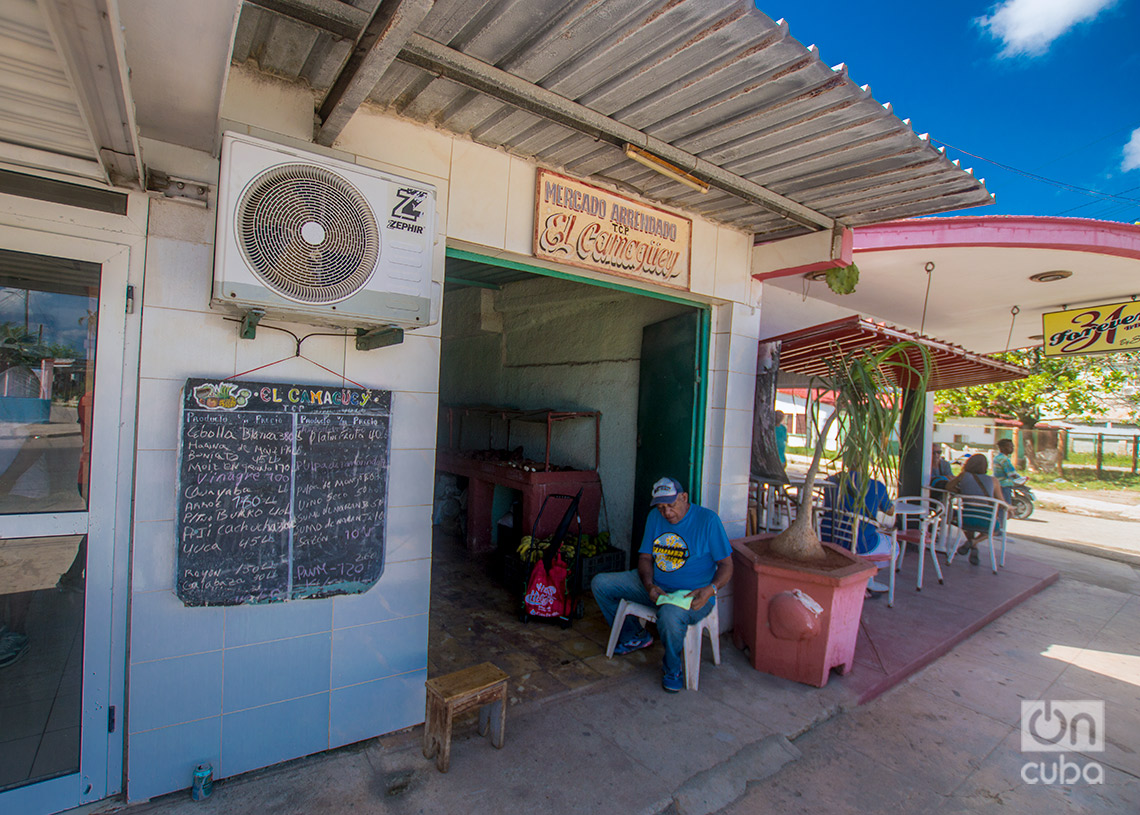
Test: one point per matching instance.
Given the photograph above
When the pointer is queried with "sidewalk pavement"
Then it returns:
(1077, 504)
(949, 740)
(1097, 535)
(946, 741)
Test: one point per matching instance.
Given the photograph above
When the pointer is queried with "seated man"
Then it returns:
(684, 549)
(940, 470)
(841, 492)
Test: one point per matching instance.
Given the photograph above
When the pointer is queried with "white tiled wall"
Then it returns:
(248, 686)
(732, 382)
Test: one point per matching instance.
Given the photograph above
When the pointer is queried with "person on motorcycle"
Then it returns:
(1007, 476)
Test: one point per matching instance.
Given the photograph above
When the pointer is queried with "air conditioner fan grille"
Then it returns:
(307, 233)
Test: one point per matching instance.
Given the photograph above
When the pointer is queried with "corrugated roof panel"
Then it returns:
(615, 36)
(810, 351)
(721, 81)
(38, 106)
(287, 47)
(325, 60)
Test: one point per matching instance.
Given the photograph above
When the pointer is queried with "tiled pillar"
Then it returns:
(728, 432)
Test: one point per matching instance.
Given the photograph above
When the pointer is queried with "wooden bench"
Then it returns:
(481, 686)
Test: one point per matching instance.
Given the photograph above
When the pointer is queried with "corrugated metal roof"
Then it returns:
(808, 351)
(720, 81)
(38, 105)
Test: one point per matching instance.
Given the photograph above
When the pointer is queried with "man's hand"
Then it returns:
(701, 596)
(654, 593)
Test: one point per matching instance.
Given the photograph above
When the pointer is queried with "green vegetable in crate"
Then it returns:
(594, 545)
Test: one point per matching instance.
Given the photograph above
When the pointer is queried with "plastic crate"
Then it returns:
(513, 573)
(611, 560)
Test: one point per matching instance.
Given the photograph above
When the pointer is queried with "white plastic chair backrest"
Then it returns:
(927, 506)
(931, 509)
(844, 527)
(978, 507)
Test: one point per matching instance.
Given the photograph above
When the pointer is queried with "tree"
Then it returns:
(869, 408)
(1057, 386)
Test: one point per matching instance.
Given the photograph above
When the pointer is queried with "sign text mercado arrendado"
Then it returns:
(595, 229)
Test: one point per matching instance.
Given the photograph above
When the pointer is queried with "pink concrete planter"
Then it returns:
(802, 652)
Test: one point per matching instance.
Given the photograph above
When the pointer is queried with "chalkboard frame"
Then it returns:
(282, 491)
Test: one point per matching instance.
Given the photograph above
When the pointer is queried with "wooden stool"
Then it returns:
(481, 686)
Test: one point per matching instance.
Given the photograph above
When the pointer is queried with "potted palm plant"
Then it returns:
(797, 600)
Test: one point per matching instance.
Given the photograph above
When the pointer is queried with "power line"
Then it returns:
(1115, 207)
(1106, 196)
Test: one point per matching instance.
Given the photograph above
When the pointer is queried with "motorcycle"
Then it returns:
(1022, 498)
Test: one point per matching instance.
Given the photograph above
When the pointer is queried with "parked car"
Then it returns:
(958, 459)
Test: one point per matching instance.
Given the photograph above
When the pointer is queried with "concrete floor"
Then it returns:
(948, 740)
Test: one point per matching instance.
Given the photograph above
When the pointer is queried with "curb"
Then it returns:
(713, 789)
(1117, 555)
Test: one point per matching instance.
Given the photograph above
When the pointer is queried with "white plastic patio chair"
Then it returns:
(928, 512)
(840, 526)
(982, 514)
(943, 497)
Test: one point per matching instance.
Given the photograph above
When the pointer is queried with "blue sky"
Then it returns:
(1049, 87)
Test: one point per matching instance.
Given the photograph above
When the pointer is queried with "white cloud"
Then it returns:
(1132, 152)
(1030, 26)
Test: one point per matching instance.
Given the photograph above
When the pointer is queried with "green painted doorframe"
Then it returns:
(705, 327)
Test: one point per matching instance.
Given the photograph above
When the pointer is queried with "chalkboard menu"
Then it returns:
(282, 491)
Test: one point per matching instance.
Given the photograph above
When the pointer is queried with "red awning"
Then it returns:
(806, 352)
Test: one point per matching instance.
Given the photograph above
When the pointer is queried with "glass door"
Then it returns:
(56, 526)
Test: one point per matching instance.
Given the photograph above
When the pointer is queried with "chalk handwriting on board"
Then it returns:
(282, 491)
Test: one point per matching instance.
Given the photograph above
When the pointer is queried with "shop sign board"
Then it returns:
(592, 228)
(282, 491)
(1092, 330)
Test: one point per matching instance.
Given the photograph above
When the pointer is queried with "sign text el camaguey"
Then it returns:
(595, 229)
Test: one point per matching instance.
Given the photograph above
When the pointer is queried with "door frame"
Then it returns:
(118, 244)
(704, 329)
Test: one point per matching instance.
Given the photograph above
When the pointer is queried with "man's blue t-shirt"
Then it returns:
(877, 499)
(685, 554)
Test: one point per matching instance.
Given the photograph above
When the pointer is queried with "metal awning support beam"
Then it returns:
(335, 17)
(431, 56)
(391, 25)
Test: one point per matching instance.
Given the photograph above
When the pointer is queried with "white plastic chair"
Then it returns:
(844, 531)
(693, 636)
(929, 517)
(943, 497)
(978, 508)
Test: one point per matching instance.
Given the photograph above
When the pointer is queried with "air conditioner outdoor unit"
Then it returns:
(306, 238)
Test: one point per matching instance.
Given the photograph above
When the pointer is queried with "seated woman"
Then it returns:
(976, 519)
